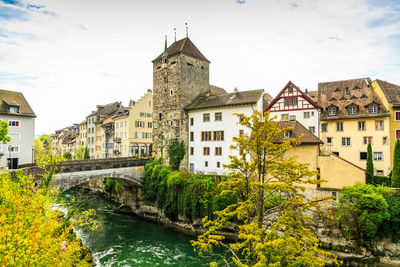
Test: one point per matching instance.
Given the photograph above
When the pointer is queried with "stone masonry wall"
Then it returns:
(174, 88)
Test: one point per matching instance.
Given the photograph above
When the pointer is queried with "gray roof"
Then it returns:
(210, 100)
(17, 99)
(391, 92)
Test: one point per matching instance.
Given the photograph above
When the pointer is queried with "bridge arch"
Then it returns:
(67, 180)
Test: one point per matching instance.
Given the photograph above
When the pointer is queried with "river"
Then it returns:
(126, 240)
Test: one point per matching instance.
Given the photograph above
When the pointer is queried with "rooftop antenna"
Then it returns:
(175, 33)
(187, 34)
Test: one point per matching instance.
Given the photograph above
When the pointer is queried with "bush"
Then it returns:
(381, 180)
(189, 195)
(67, 156)
(112, 185)
(362, 209)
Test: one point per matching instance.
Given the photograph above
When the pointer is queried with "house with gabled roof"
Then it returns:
(212, 125)
(292, 104)
(353, 116)
(16, 111)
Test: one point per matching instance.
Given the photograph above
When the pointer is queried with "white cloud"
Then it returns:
(71, 55)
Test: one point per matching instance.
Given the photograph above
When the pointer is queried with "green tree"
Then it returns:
(369, 171)
(362, 208)
(86, 155)
(67, 156)
(4, 132)
(176, 152)
(79, 153)
(396, 165)
(269, 212)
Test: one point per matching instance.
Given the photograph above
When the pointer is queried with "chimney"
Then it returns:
(149, 91)
(131, 103)
(235, 90)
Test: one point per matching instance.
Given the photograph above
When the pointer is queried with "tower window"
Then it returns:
(160, 116)
(171, 92)
(190, 64)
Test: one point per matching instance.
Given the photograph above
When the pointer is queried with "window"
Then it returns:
(339, 126)
(287, 134)
(306, 115)
(218, 136)
(379, 172)
(379, 125)
(285, 117)
(160, 116)
(171, 92)
(218, 164)
(192, 136)
(352, 110)
(384, 140)
(14, 109)
(397, 134)
(206, 117)
(14, 149)
(331, 111)
(324, 127)
(205, 163)
(373, 109)
(149, 124)
(361, 125)
(397, 116)
(206, 136)
(290, 90)
(347, 91)
(346, 141)
(191, 150)
(336, 153)
(329, 141)
(142, 114)
(312, 129)
(191, 121)
(13, 123)
(218, 151)
(292, 101)
(312, 113)
(367, 140)
(292, 117)
(363, 155)
(218, 116)
(377, 155)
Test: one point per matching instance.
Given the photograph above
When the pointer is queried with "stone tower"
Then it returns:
(180, 74)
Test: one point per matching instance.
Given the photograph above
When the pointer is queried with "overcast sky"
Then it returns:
(67, 56)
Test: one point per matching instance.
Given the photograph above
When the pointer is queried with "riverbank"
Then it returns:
(131, 202)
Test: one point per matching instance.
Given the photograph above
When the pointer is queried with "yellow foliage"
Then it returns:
(31, 232)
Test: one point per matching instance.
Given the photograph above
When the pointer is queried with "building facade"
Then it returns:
(180, 74)
(16, 111)
(354, 116)
(212, 125)
(292, 104)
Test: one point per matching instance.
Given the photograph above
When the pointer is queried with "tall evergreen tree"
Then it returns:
(369, 171)
(86, 154)
(396, 165)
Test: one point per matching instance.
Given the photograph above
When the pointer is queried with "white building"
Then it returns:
(212, 125)
(294, 105)
(15, 110)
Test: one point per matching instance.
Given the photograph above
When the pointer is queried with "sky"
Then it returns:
(67, 56)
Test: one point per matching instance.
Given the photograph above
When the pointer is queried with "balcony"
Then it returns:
(117, 139)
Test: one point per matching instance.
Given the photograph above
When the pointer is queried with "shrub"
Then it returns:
(176, 152)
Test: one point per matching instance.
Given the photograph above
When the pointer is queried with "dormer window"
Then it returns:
(14, 109)
(347, 91)
(332, 111)
(287, 134)
(373, 109)
(352, 110)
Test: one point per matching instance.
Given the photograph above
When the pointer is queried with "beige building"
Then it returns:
(82, 134)
(140, 125)
(334, 170)
(121, 137)
(353, 116)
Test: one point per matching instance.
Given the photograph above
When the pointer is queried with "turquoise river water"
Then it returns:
(126, 240)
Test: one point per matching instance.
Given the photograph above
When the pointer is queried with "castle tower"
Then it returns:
(180, 74)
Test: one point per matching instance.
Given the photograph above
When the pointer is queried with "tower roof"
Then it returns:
(184, 46)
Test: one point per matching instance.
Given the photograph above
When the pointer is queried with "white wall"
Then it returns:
(25, 142)
(231, 128)
(312, 121)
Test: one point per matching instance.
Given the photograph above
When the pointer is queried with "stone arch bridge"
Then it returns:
(75, 172)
